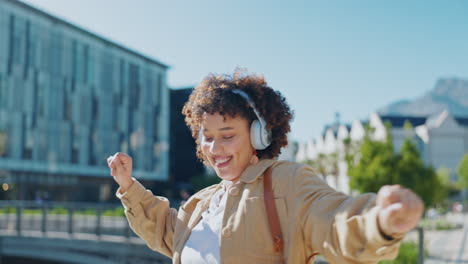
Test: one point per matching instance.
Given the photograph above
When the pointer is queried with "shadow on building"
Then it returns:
(183, 164)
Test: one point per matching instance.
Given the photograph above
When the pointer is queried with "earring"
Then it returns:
(254, 158)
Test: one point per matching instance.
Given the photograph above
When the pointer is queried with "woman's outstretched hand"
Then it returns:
(121, 169)
(401, 210)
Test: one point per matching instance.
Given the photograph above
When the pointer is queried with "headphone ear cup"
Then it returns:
(256, 135)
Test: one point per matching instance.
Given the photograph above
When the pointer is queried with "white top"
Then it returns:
(202, 246)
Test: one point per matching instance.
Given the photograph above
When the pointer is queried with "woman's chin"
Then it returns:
(228, 177)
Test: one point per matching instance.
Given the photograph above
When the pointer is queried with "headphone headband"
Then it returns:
(260, 136)
(251, 103)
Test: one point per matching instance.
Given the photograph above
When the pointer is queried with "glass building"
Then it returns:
(69, 99)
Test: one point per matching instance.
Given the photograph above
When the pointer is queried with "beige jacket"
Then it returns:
(313, 216)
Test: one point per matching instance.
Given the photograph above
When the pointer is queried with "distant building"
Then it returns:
(289, 151)
(184, 163)
(69, 99)
(441, 139)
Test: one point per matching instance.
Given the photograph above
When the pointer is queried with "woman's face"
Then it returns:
(225, 142)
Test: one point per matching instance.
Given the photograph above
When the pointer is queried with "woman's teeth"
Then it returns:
(219, 161)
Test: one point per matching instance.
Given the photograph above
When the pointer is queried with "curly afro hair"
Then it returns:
(214, 95)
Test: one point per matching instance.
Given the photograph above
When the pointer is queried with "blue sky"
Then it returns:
(351, 57)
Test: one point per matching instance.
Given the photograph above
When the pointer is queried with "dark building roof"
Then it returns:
(399, 121)
(462, 121)
(335, 127)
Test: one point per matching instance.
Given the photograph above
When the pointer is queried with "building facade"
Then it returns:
(69, 99)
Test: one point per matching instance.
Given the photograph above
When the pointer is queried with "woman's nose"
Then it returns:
(216, 147)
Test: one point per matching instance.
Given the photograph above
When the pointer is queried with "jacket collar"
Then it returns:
(252, 172)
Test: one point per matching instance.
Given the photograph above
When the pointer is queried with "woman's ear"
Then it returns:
(254, 158)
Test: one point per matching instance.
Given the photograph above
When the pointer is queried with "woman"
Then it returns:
(240, 124)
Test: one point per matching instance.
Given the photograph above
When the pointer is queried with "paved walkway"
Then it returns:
(447, 247)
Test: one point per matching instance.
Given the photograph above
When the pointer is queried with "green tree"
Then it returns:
(325, 165)
(377, 165)
(463, 172)
(350, 149)
(413, 174)
(373, 166)
(452, 188)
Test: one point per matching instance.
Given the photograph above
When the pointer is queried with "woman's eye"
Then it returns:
(207, 139)
(228, 137)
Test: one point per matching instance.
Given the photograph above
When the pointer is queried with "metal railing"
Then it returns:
(68, 217)
(102, 219)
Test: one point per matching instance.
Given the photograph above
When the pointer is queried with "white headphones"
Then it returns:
(260, 136)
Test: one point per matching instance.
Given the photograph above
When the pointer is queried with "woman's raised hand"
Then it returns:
(400, 211)
(121, 169)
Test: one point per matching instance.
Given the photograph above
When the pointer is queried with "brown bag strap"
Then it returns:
(272, 214)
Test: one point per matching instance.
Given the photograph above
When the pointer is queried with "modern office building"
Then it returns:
(70, 98)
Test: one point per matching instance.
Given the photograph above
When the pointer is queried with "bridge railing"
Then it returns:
(100, 219)
(70, 217)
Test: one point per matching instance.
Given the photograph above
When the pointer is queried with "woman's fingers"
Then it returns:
(109, 159)
(114, 164)
(388, 195)
(118, 160)
(123, 159)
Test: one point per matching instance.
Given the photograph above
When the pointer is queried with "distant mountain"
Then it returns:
(447, 94)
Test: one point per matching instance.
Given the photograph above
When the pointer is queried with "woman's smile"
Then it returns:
(221, 162)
